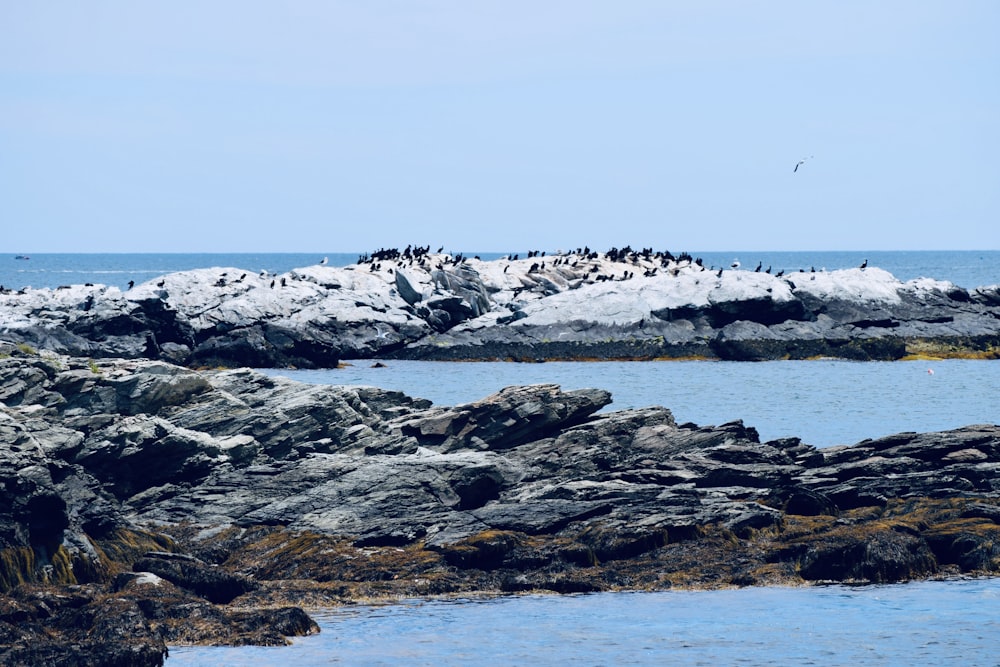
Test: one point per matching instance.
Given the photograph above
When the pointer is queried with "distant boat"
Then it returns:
(22, 257)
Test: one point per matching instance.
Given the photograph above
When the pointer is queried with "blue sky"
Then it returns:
(329, 126)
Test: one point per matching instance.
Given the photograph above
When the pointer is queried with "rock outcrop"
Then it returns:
(618, 305)
(146, 490)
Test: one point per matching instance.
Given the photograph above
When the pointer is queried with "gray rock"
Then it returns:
(212, 583)
(141, 444)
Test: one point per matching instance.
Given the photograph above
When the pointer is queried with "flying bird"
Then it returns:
(735, 265)
(800, 163)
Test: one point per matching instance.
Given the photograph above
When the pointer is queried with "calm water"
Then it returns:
(926, 623)
(824, 402)
(965, 268)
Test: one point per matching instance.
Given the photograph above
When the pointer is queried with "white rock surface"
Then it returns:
(362, 305)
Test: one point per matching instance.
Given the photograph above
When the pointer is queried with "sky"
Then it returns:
(343, 126)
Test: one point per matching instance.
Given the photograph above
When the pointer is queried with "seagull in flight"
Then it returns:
(800, 163)
(380, 335)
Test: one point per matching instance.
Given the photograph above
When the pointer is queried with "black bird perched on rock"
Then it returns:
(161, 283)
(759, 264)
(719, 274)
(864, 264)
(131, 284)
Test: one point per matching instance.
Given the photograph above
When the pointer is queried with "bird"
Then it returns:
(131, 284)
(800, 163)
(735, 265)
(380, 335)
(759, 264)
(864, 265)
(323, 261)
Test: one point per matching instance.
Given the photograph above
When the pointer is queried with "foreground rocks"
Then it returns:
(622, 304)
(144, 504)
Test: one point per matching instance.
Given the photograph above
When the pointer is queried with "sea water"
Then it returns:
(923, 623)
(823, 402)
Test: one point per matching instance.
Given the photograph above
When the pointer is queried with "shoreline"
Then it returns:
(150, 495)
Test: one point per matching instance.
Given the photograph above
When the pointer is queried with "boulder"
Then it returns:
(211, 583)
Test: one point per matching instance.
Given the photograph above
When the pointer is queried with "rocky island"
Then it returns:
(581, 304)
(145, 504)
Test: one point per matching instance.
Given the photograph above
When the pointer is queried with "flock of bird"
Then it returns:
(583, 258)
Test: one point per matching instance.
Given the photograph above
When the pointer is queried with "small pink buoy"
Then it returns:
(930, 371)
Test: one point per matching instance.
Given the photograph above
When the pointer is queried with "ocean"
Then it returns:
(825, 402)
